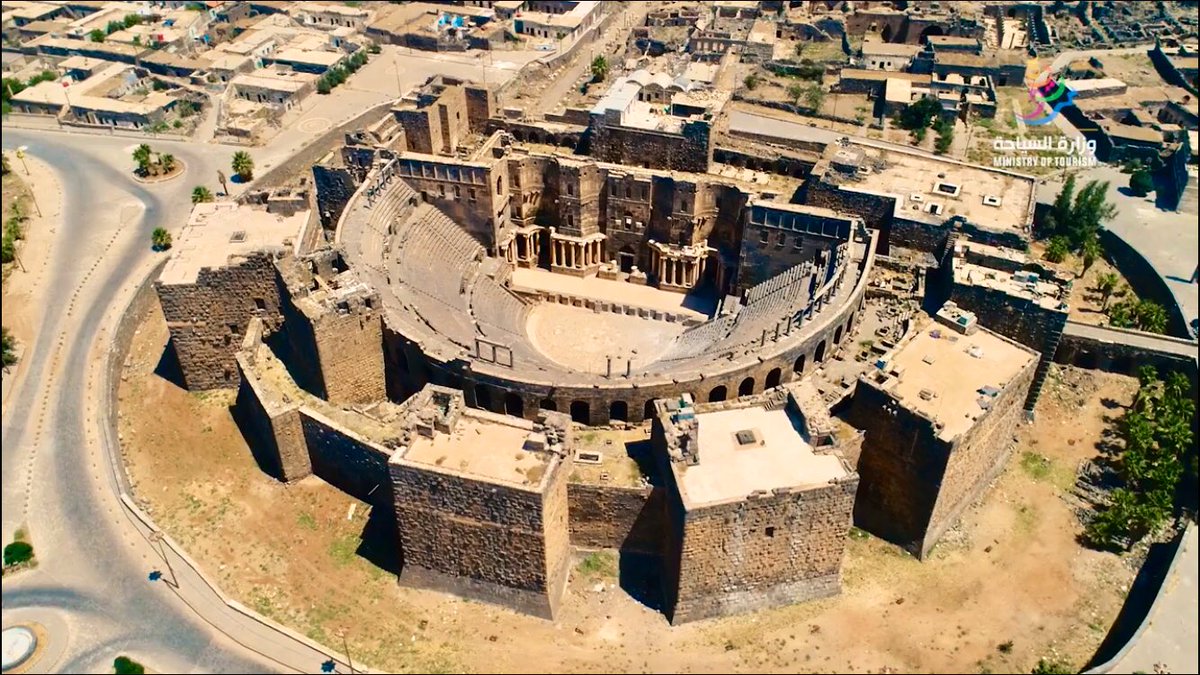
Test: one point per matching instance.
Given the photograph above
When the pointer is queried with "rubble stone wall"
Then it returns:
(625, 518)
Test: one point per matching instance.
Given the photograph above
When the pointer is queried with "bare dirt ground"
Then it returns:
(1086, 302)
(1006, 587)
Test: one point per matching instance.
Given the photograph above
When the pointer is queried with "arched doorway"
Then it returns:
(746, 387)
(798, 366)
(548, 404)
(513, 405)
(648, 410)
(717, 394)
(618, 411)
(581, 412)
(483, 397)
(837, 336)
(819, 356)
(929, 32)
(773, 378)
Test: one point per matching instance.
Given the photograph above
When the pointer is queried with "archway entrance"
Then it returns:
(618, 411)
(548, 404)
(820, 355)
(798, 366)
(717, 394)
(513, 405)
(746, 387)
(773, 378)
(581, 412)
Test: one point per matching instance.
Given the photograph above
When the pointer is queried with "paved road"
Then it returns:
(1170, 635)
(57, 476)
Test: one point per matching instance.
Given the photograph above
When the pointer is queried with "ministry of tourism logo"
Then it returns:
(1047, 96)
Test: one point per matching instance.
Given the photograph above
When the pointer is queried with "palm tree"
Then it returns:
(160, 239)
(141, 155)
(8, 347)
(243, 165)
(1091, 252)
(201, 194)
(1107, 283)
(599, 68)
(167, 160)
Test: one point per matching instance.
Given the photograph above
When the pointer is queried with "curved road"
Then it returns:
(93, 570)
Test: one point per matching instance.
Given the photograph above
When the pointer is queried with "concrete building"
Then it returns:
(937, 412)
(557, 20)
(888, 56)
(758, 501)
(330, 17)
(115, 95)
(279, 89)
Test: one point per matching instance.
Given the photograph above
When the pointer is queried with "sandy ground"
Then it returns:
(1006, 587)
(22, 294)
(582, 339)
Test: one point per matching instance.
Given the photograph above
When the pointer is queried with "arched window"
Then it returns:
(618, 411)
(717, 394)
(773, 378)
(798, 367)
(820, 355)
(513, 405)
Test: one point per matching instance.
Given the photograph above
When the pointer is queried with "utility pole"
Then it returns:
(346, 649)
(32, 196)
(157, 537)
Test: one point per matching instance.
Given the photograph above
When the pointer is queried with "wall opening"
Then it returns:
(581, 412)
(837, 336)
(820, 355)
(718, 393)
(483, 397)
(798, 366)
(513, 405)
(618, 411)
(746, 387)
(648, 410)
(773, 378)
(548, 404)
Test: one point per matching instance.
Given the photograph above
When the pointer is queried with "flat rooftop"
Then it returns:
(941, 377)
(217, 231)
(961, 189)
(486, 446)
(778, 458)
(1044, 293)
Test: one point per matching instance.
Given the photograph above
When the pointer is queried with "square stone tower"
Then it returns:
(758, 508)
(481, 503)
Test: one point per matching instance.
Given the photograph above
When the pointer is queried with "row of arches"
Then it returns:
(497, 398)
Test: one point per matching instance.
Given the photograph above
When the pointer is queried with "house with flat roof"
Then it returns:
(274, 87)
(117, 95)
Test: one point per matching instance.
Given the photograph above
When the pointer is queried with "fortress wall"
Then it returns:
(273, 432)
(207, 319)
(485, 540)
(625, 518)
(345, 460)
(689, 151)
(763, 551)
(350, 348)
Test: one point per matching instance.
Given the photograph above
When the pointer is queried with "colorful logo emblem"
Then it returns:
(1046, 95)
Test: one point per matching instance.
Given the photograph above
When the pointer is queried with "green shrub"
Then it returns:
(17, 553)
(123, 665)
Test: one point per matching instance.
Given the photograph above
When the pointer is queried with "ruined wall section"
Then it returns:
(349, 344)
(463, 191)
(689, 151)
(346, 460)
(271, 425)
(208, 318)
(768, 550)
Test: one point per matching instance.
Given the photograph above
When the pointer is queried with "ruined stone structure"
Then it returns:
(758, 503)
(937, 415)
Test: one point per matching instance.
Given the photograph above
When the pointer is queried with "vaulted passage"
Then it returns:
(746, 387)
(581, 412)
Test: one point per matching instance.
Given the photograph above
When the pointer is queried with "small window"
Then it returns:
(570, 189)
(764, 238)
(471, 194)
(260, 304)
(770, 531)
(457, 192)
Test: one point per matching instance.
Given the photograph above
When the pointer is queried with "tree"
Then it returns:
(323, 86)
(814, 96)
(201, 194)
(1091, 252)
(123, 665)
(1058, 250)
(243, 165)
(1060, 211)
(1050, 667)
(1107, 283)
(916, 116)
(17, 553)
(97, 35)
(801, 45)
(160, 239)
(599, 68)
(221, 180)
(751, 81)
(6, 168)
(167, 161)
(141, 156)
(1079, 218)
(8, 347)
(1151, 316)
(795, 91)
(1141, 183)
(945, 132)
